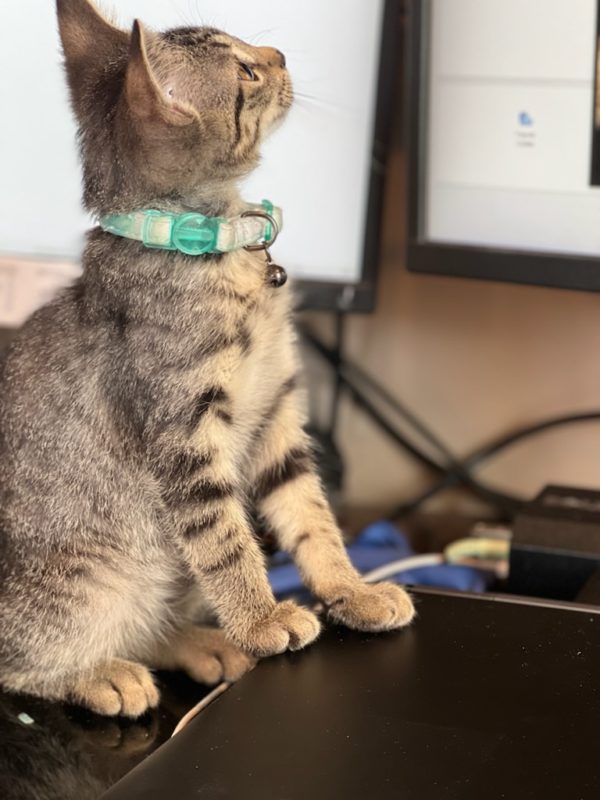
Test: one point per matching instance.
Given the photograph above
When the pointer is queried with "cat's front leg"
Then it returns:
(218, 544)
(223, 553)
(290, 498)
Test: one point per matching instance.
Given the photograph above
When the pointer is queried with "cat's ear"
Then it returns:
(90, 42)
(87, 37)
(146, 100)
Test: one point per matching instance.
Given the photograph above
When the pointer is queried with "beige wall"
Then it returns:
(475, 360)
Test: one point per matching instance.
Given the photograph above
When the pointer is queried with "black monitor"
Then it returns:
(504, 141)
(325, 166)
(359, 293)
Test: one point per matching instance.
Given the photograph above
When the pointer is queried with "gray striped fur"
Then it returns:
(149, 406)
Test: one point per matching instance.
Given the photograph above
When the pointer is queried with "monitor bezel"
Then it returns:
(554, 270)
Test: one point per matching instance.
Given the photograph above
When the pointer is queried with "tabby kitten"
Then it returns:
(152, 408)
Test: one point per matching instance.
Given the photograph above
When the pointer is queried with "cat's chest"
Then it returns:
(267, 360)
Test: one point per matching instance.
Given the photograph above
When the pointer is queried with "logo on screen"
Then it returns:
(525, 120)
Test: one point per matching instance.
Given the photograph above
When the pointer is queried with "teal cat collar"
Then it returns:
(195, 234)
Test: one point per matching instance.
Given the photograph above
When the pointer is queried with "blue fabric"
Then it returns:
(379, 544)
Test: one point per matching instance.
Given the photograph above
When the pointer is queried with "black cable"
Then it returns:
(491, 450)
(507, 503)
(337, 356)
(403, 411)
(455, 472)
(388, 429)
(360, 400)
(338, 362)
(503, 442)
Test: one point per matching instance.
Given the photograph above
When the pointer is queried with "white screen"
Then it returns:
(316, 166)
(511, 109)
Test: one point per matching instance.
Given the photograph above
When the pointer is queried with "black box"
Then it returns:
(556, 544)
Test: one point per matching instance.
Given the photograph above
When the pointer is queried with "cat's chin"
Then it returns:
(278, 120)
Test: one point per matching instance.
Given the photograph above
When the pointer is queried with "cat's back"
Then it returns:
(61, 447)
(49, 373)
(54, 345)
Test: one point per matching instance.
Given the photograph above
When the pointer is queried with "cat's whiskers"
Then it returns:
(314, 101)
(255, 40)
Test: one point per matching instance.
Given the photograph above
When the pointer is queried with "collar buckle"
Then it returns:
(271, 230)
(195, 235)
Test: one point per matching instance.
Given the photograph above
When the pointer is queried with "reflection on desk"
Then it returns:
(50, 751)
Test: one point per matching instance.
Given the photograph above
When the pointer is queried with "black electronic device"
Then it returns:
(504, 141)
(555, 548)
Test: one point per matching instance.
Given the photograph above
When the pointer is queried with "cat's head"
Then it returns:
(168, 117)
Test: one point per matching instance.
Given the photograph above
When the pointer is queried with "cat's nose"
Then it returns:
(273, 57)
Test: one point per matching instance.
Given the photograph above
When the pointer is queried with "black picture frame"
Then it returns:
(360, 296)
(464, 261)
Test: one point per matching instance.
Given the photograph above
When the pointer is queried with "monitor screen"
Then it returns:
(507, 133)
(317, 167)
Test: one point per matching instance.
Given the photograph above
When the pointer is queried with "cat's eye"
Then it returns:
(246, 73)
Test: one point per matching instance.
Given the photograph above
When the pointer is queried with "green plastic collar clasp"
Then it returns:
(194, 234)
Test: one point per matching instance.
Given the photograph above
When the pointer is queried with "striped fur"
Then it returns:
(145, 410)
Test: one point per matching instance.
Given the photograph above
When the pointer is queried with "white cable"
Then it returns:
(414, 562)
(206, 701)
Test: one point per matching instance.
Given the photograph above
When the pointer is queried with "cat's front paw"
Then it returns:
(209, 658)
(117, 687)
(289, 627)
(378, 607)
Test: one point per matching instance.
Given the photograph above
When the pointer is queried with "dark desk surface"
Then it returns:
(479, 699)
(49, 751)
